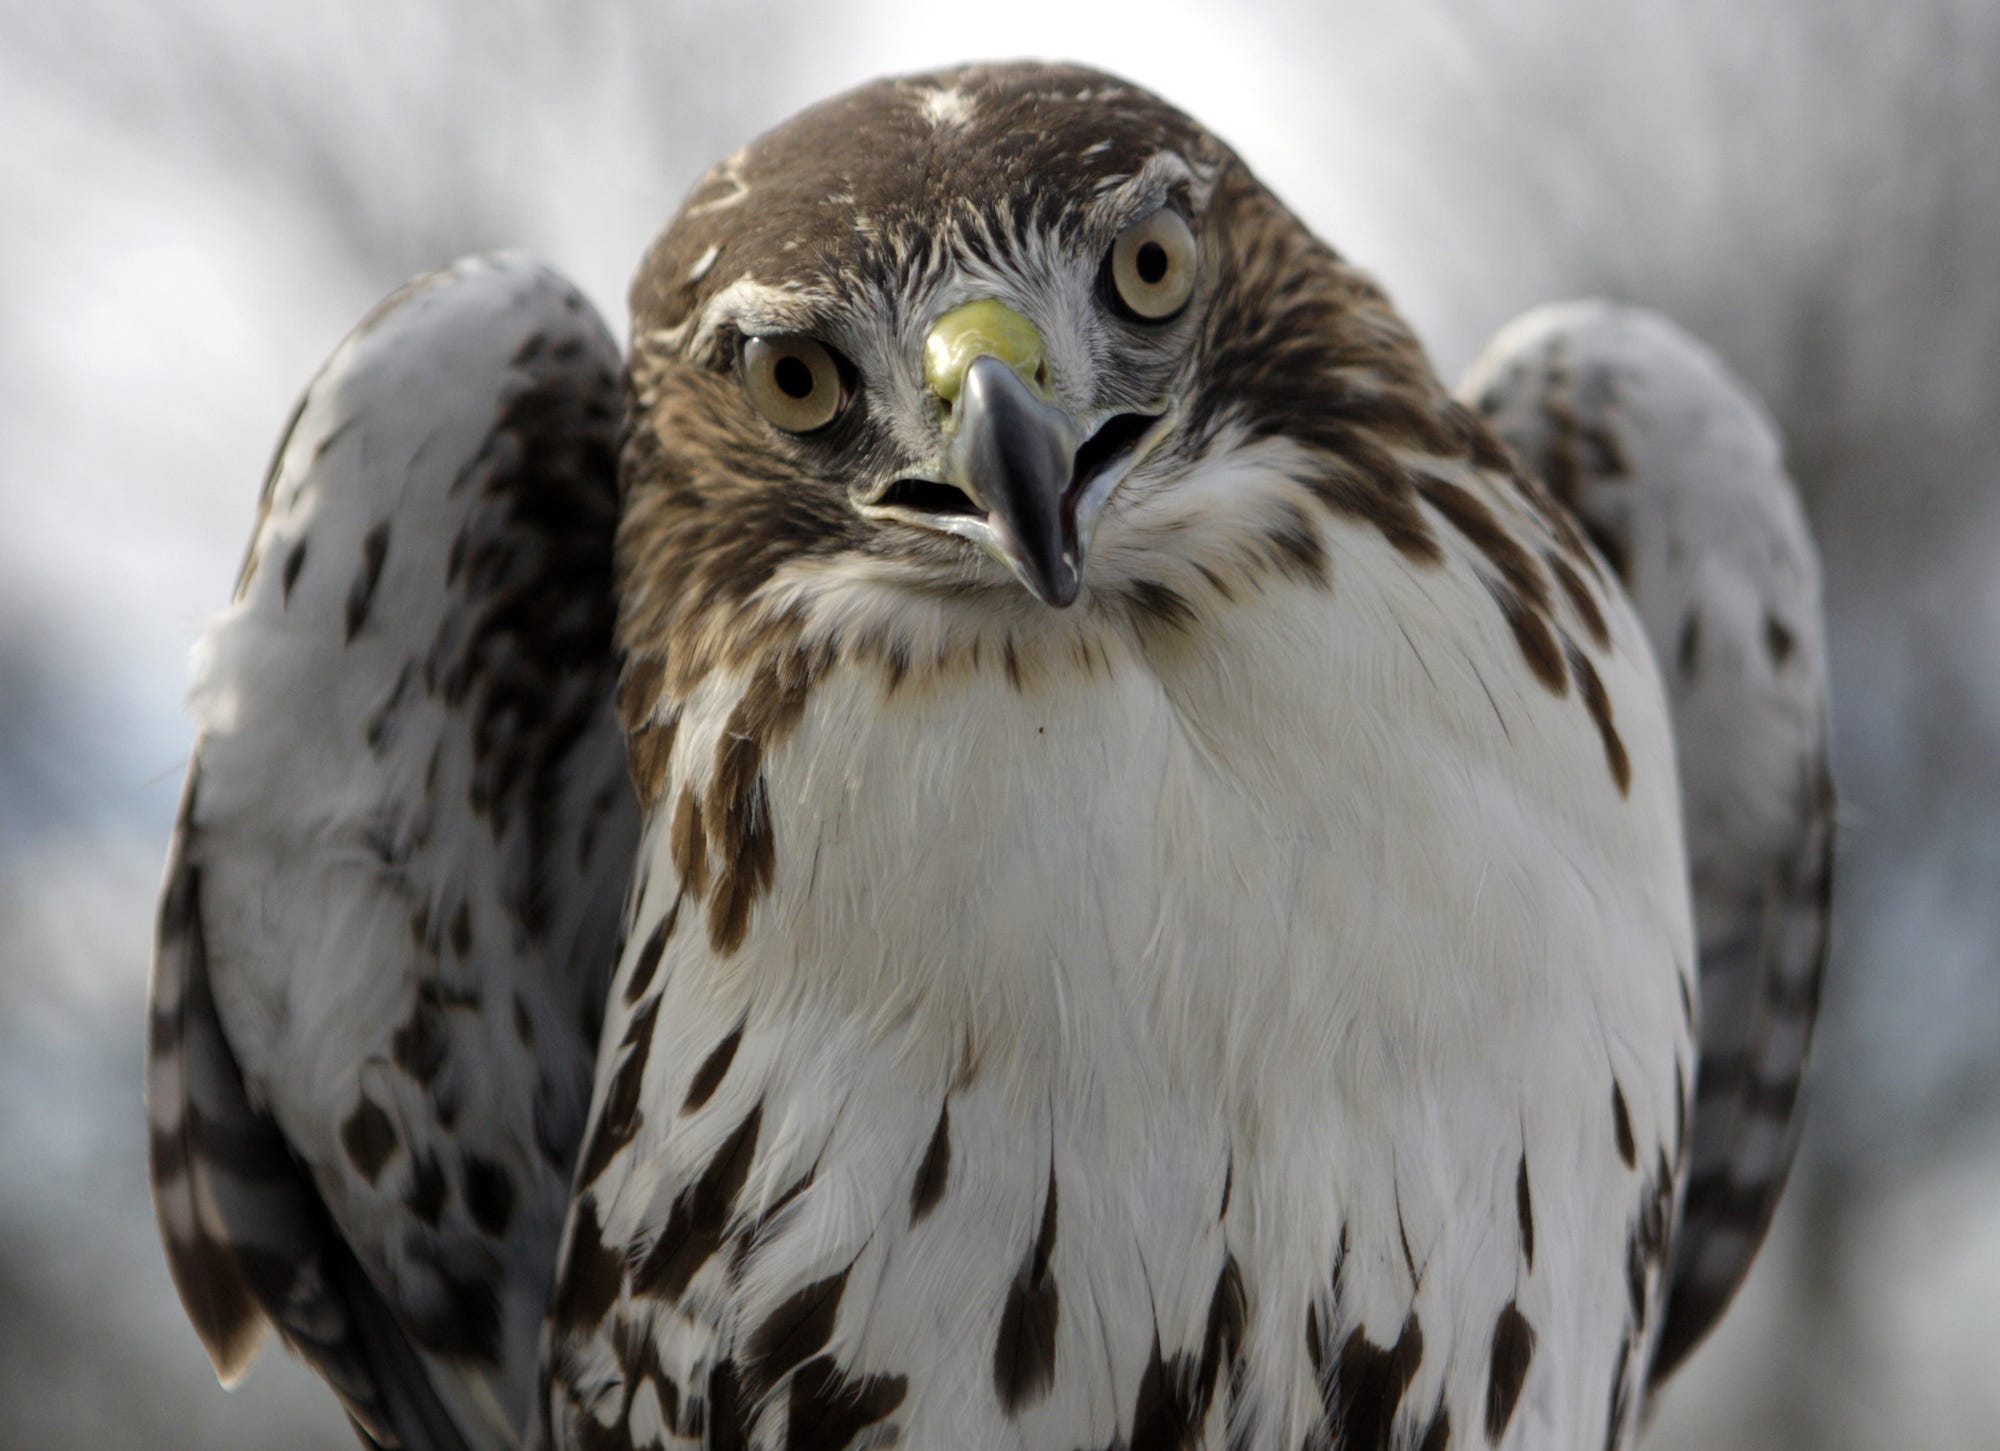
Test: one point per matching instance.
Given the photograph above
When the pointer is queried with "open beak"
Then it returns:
(1014, 453)
(1018, 479)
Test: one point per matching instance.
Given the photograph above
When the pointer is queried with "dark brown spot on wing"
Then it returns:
(489, 1195)
(1024, 1352)
(1779, 642)
(361, 594)
(1533, 635)
(798, 1328)
(708, 1077)
(1599, 705)
(1621, 1124)
(295, 560)
(1581, 599)
(934, 1171)
(829, 1409)
(619, 1120)
(649, 954)
(689, 845)
(1368, 1385)
(695, 1225)
(1507, 1368)
(1470, 516)
(1687, 655)
(369, 1137)
(1524, 1210)
(428, 1189)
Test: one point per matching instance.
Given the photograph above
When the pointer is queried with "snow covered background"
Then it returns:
(198, 198)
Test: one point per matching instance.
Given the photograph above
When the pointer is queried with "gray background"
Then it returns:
(197, 199)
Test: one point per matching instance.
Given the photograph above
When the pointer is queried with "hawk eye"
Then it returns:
(1152, 266)
(795, 382)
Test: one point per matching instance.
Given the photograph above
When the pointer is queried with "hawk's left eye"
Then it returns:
(1152, 266)
(796, 382)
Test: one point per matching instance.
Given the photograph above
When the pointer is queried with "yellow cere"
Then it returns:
(982, 328)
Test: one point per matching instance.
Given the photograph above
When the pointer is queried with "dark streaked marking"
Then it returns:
(1614, 1416)
(1368, 1386)
(828, 1409)
(1163, 1416)
(381, 728)
(1687, 654)
(1437, 1435)
(489, 1195)
(428, 1189)
(749, 862)
(1369, 486)
(649, 749)
(421, 1044)
(460, 930)
(620, 1118)
(1581, 599)
(649, 954)
(295, 560)
(639, 686)
(1635, 1279)
(708, 1077)
(1228, 1186)
(1533, 635)
(1222, 1339)
(689, 845)
(1296, 550)
(1470, 516)
(934, 1171)
(1680, 1110)
(369, 1137)
(694, 1228)
(1779, 641)
(1024, 1352)
(462, 1320)
(1158, 604)
(361, 594)
(1524, 1210)
(725, 1420)
(1621, 1124)
(797, 1329)
(1507, 1368)
(1599, 705)
(738, 808)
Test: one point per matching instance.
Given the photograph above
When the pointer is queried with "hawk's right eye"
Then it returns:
(795, 382)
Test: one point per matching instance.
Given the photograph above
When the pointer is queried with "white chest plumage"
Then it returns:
(1271, 1026)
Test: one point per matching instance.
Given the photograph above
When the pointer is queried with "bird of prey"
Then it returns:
(1020, 832)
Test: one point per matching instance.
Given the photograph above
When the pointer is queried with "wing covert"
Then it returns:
(393, 900)
(1677, 475)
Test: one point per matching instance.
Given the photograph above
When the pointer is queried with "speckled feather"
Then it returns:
(394, 891)
(1252, 1007)
(1679, 474)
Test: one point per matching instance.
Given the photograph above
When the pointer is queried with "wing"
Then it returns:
(1677, 475)
(392, 902)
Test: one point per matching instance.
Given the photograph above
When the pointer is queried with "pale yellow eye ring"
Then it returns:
(1153, 265)
(793, 381)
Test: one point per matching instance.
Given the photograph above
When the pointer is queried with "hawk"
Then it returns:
(1019, 833)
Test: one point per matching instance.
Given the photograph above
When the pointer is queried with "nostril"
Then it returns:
(931, 496)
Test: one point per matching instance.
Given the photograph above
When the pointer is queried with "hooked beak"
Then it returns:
(1018, 478)
(1014, 453)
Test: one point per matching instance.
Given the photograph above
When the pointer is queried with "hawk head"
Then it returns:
(983, 345)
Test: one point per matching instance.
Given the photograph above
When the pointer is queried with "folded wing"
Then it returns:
(394, 894)
(1677, 475)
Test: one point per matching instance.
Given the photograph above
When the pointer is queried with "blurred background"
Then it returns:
(197, 199)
